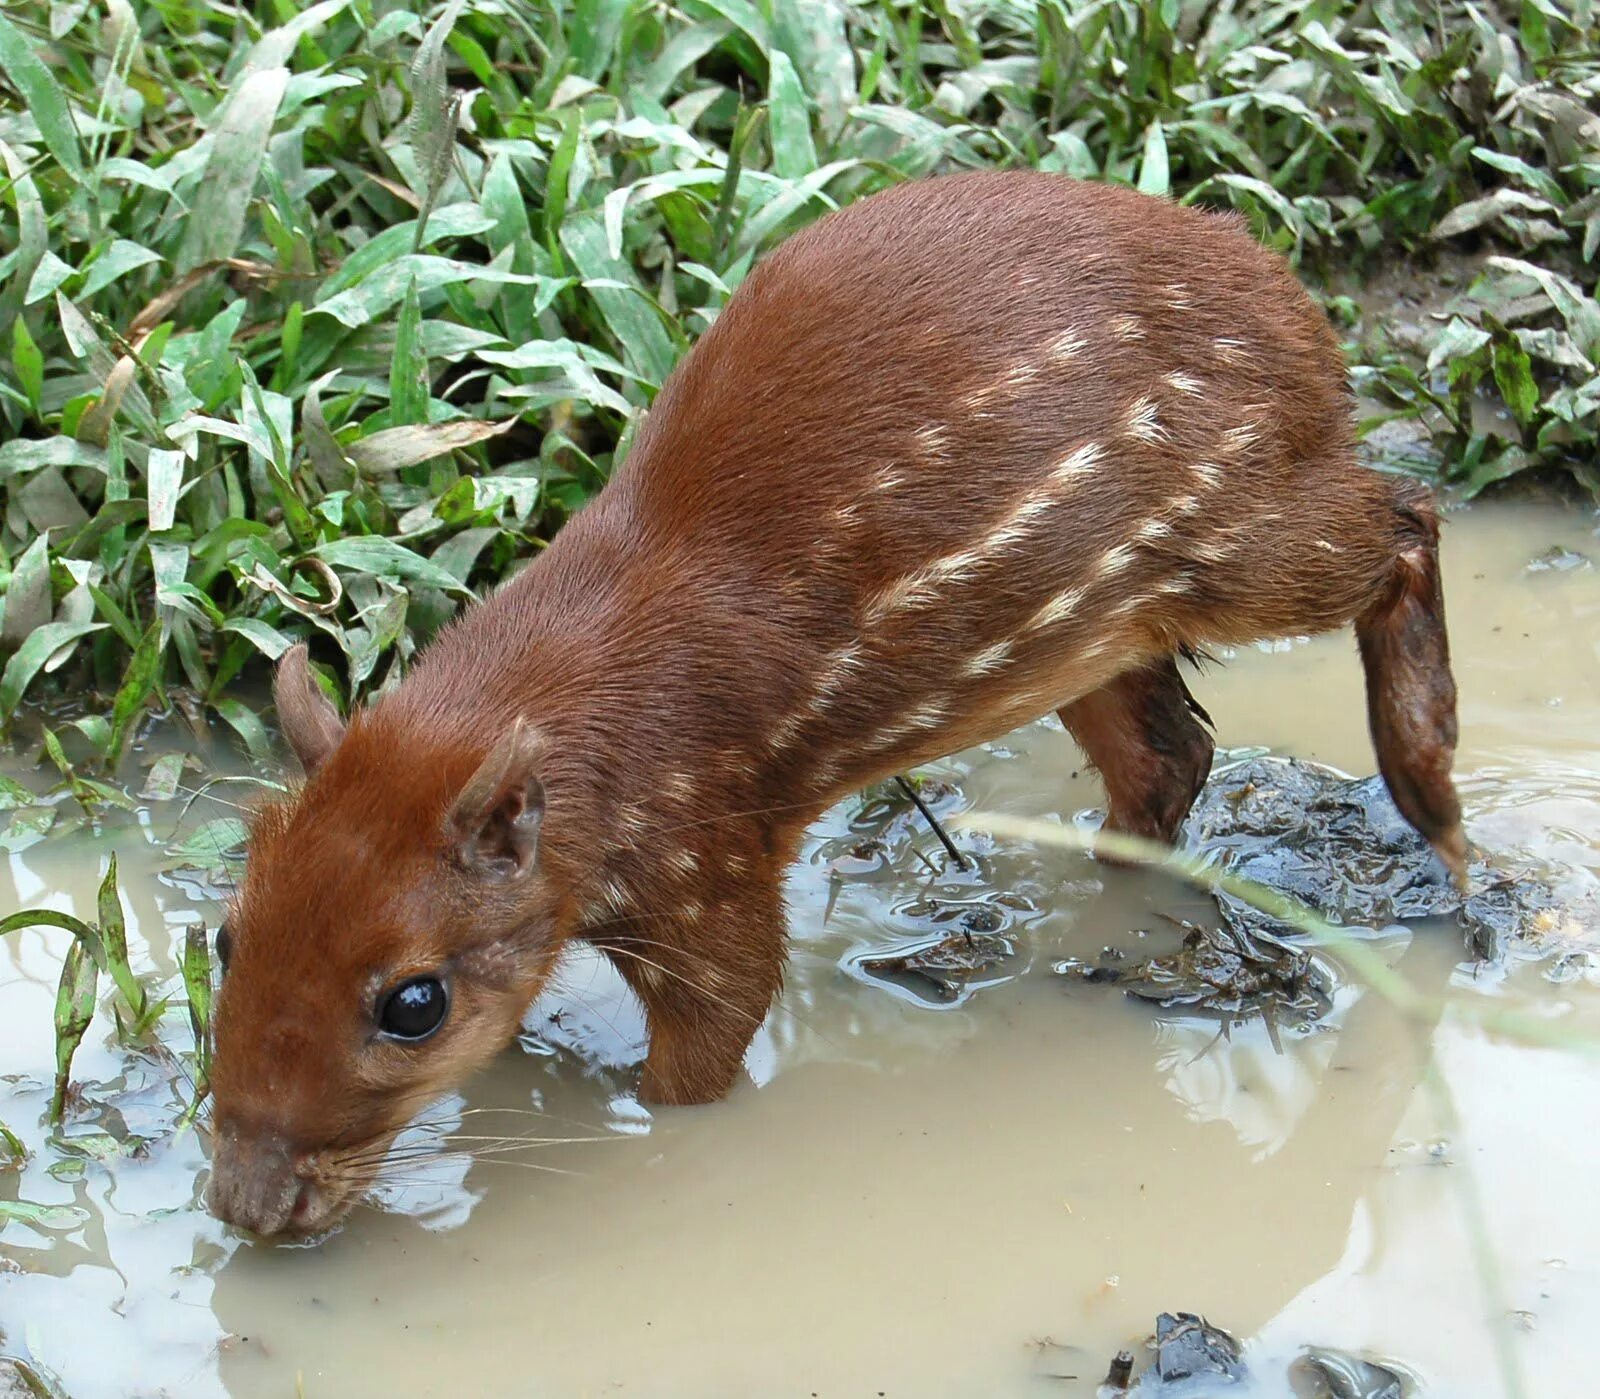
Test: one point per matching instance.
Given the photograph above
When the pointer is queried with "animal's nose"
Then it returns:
(254, 1182)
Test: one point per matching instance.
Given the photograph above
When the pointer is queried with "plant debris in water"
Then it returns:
(949, 966)
(1338, 845)
(1341, 846)
(1195, 1358)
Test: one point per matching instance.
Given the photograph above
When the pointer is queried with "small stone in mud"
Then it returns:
(947, 965)
(1341, 1376)
(1188, 1345)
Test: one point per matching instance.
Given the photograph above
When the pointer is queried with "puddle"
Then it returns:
(990, 1191)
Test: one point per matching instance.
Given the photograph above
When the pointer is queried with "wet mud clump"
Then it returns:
(1191, 1358)
(948, 966)
(1339, 846)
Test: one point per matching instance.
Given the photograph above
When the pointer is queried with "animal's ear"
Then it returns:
(493, 826)
(309, 720)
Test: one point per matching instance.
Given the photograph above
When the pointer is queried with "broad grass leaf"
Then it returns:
(1154, 177)
(163, 485)
(1579, 311)
(114, 935)
(428, 272)
(117, 261)
(139, 685)
(793, 152)
(222, 203)
(1513, 374)
(213, 842)
(593, 33)
(616, 203)
(245, 722)
(577, 362)
(678, 55)
(195, 966)
(813, 33)
(434, 115)
(46, 103)
(646, 344)
(1464, 218)
(268, 640)
(28, 602)
(42, 1217)
(28, 361)
(75, 1001)
(30, 657)
(741, 14)
(408, 372)
(386, 558)
(333, 468)
(395, 448)
(32, 239)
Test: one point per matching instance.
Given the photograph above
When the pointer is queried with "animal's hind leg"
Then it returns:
(1411, 694)
(1144, 734)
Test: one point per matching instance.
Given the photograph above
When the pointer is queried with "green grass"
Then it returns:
(322, 327)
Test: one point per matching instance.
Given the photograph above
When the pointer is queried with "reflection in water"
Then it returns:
(908, 1198)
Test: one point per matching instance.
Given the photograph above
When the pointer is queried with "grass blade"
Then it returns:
(222, 204)
(42, 95)
(114, 937)
(75, 998)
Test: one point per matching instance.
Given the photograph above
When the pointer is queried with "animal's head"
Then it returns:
(395, 919)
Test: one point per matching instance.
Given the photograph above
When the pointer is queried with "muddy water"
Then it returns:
(986, 1197)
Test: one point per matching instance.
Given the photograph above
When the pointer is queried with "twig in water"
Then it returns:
(938, 830)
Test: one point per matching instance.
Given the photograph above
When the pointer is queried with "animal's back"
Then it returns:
(1009, 422)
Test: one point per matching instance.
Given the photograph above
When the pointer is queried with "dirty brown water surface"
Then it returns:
(986, 1196)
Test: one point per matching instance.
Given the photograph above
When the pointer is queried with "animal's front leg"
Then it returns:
(707, 977)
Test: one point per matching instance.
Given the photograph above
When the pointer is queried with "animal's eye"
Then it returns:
(224, 946)
(414, 1009)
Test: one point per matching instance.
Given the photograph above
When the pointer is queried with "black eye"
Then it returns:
(414, 1009)
(224, 946)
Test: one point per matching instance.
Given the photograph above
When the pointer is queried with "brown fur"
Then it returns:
(959, 454)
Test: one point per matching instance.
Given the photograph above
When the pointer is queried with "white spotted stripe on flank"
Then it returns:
(1066, 346)
(785, 731)
(1208, 474)
(1078, 462)
(926, 716)
(677, 786)
(1127, 328)
(924, 586)
(1185, 383)
(684, 861)
(1144, 421)
(1114, 560)
(1237, 439)
(1057, 609)
(990, 659)
(841, 666)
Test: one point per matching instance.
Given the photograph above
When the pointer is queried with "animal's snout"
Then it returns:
(259, 1183)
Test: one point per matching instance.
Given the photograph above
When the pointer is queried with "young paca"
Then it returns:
(965, 452)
